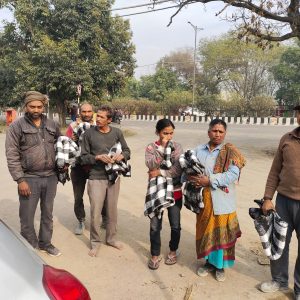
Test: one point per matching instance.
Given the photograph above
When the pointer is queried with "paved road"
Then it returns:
(253, 139)
(101, 275)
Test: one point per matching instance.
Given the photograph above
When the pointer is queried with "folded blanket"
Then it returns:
(66, 153)
(160, 195)
(192, 196)
(121, 167)
(271, 229)
(80, 129)
(160, 190)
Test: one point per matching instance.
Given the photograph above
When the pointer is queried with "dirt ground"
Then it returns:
(124, 274)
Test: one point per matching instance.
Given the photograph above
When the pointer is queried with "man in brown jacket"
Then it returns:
(284, 177)
(31, 162)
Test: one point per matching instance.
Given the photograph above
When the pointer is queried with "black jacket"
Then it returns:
(29, 149)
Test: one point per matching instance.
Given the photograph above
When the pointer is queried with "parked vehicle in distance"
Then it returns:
(25, 276)
(195, 112)
(117, 116)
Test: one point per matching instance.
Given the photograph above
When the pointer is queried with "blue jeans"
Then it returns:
(156, 225)
(289, 210)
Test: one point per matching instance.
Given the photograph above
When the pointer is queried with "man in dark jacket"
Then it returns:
(31, 162)
(284, 178)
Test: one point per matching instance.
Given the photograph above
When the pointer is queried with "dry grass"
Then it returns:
(2, 127)
(63, 130)
(128, 132)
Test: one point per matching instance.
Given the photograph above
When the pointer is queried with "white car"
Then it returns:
(25, 276)
(195, 112)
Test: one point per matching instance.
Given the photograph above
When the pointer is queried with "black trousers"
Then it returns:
(289, 210)
(156, 226)
(79, 178)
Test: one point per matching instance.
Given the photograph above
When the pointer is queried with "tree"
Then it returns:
(288, 75)
(175, 101)
(127, 105)
(146, 107)
(156, 86)
(248, 74)
(209, 103)
(53, 45)
(263, 105)
(236, 106)
(180, 62)
(270, 20)
(131, 88)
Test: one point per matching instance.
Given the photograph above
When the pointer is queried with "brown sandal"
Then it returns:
(171, 259)
(154, 265)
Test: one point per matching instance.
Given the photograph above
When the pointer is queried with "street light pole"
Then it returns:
(194, 74)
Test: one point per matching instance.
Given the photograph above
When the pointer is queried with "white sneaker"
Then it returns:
(204, 270)
(79, 228)
(220, 275)
(271, 287)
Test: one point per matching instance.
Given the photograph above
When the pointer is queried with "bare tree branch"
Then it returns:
(266, 20)
(272, 38)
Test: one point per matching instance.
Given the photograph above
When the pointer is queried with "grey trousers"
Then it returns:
(98, 190)
(43, 189)
(79, 178)
(289, 210)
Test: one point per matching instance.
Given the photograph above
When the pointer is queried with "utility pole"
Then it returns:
(194, 74)
(78, 92)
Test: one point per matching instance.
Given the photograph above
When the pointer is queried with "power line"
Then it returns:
(140, 5)
(166, 63)
(145, 12)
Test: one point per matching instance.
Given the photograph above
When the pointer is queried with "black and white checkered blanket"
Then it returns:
(66, 153)
(160, 190)
(160, 195)
(166, 164)
(271, 230)
(121, 167)
(80, 129)
(192, 195)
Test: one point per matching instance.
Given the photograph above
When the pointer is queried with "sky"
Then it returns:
(153, 39)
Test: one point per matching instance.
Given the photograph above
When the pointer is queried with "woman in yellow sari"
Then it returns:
(217, 227)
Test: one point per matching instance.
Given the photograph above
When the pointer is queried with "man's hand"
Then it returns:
(74, 137)
(267, 205)
(24, 189)
(104, 158)
(199, 180)
(118, 157)
(154, 173)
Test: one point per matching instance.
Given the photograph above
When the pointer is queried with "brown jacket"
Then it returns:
(284, 175)
(30, 150)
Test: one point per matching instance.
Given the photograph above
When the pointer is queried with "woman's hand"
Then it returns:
(165, 141)
(154, 173)
(199, 180)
